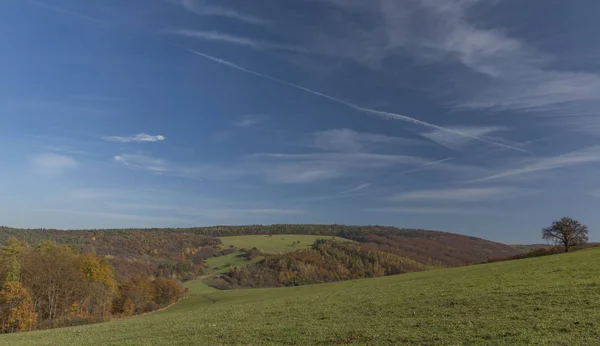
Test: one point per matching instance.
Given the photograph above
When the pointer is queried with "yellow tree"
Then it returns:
(100, 282)
(52, 275)
(16, 308)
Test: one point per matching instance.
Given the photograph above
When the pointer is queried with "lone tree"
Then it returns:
(567, 232)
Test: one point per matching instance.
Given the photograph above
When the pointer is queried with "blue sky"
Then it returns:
(476, 117)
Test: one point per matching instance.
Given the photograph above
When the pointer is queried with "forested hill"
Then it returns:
(446, 249)
(67, 277)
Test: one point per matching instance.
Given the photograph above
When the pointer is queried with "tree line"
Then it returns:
(173, 248)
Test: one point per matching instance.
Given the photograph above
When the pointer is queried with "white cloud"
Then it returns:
(201, 8)
(578, 157)
(141, 137)
(463, 194)
(352, 141)
(512, 73)
(456, 142)
(216, 36)
(503, 71)
(248, 120)
(52, 163)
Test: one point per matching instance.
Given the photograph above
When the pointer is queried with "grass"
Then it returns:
(274, 244)
(220, 265)
(197, 287)
(552, 300)
(268, 244)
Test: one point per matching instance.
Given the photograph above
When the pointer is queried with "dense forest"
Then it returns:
(51, 285)
(165, 245)
(159, 253)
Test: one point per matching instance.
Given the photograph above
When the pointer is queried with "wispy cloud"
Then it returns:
(159, 166)
(63, 150)
(52, 163)
(303, 168)
(208, 210)
(463, 194)
(120, 216)
(352, 141)
(276, 167)
(95, 193)
(262, 211)
(257, 44)
(510, 73)
(424, 210)
(72, 13)
(142, 137)
(387, 115)
(578, 157)
(455, 142)
(248, 120)
(502, 71)
(358, 188)
(201, 8)
(145, 162)
(518, 76)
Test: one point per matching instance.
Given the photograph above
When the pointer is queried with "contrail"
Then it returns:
(387, 115)
(360, 187)
(72, 13)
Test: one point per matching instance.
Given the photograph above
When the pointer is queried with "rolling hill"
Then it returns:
(546, 300)
(159, 246)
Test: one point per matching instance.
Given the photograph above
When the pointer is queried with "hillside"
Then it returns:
(263, 245)
(151, 248)
(529, 247)
(325, 261)
(545, 300)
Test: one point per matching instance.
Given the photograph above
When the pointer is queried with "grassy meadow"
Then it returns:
(552, 300)
(275, 243)
(268, 244)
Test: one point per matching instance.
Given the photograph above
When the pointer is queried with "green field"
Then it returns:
(197, 287)
(275, 243)
(553, 300)
(220, 265)
(268, 244)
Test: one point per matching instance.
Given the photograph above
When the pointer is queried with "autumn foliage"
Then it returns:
(326, 261)
(16, 308)
(52, 285)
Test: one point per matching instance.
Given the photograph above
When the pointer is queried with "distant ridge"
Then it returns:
(425, 246)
